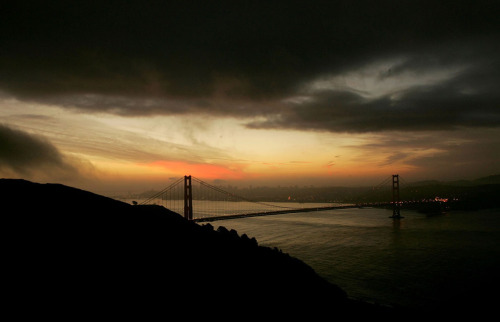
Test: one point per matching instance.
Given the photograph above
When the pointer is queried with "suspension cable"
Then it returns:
(236, 196)
(162, 191)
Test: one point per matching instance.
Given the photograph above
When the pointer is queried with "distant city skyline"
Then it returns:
(327, 93)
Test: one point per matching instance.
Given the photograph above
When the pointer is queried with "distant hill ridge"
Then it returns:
(73, 252)
(493, 179)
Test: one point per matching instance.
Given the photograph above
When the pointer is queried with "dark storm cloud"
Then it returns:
(239, 58)
(23, 153)
(466, 100)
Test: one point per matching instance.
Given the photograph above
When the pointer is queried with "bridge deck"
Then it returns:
(270, 213)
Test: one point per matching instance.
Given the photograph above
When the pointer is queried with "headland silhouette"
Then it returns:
(74, 253)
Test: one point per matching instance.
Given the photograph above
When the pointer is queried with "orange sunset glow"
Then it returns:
(201, 170)
(250, 101)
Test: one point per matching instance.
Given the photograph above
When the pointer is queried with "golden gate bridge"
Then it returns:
(200, 201)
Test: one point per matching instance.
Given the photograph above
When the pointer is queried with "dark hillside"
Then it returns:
(73, 253)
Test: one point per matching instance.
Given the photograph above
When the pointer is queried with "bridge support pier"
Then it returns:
(396, 206)
(188, 198)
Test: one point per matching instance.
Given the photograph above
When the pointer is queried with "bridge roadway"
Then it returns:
(277, 212)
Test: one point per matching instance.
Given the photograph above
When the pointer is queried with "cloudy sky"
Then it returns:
(125, 95)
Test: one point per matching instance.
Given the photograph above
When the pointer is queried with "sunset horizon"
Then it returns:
(124, 98)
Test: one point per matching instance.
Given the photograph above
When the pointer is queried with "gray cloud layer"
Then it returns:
(467, 100)
(28, 155)
(245, 58)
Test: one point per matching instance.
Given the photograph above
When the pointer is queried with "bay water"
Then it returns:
(418, 261)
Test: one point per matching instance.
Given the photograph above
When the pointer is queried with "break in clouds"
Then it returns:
(338, 66)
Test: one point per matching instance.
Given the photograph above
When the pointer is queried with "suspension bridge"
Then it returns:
(200, 201)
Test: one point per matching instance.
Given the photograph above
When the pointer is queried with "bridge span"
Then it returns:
(270, 213)
(213, 203)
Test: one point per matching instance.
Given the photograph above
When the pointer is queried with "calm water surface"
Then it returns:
(418, 261)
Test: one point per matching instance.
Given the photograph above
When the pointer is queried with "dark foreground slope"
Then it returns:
(72, 253)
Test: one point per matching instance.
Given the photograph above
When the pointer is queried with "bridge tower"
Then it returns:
(188, 198)
(395, 197)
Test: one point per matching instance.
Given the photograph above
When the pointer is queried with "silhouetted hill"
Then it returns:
(71, 253)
